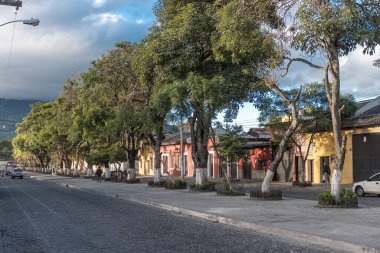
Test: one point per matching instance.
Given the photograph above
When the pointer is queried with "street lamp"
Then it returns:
(33, 22)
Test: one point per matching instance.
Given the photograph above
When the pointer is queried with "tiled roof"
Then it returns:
(361, 122)
(175, 138)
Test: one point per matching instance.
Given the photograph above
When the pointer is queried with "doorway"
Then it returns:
(322, 160)
(310, 171)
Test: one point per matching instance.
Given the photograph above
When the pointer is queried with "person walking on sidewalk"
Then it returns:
(98, 174)
(326, 173)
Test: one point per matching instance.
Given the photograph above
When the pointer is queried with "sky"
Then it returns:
(36, 61)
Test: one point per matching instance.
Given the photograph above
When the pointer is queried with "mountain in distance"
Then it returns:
(12, 111)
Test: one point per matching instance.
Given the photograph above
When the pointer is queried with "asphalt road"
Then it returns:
(46, 217)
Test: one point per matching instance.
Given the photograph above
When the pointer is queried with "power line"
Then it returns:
(10, 50)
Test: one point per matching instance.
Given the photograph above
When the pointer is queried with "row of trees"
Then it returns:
(200, 58)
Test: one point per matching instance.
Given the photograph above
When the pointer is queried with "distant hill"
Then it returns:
(12, 111)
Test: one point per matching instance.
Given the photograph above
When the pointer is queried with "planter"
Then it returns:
(302, 184)
(339, 206)
(348, 199)
(231, 193)
(176, 185)
(206, 187)
(259, 195)
(132, 181)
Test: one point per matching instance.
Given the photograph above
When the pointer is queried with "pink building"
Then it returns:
(253, 166)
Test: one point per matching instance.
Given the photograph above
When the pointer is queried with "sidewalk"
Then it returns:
(354, 230)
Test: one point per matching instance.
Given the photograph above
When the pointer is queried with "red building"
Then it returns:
(252, 166)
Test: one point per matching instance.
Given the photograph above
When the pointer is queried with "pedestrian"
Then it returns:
(98, 174)
(326, 173)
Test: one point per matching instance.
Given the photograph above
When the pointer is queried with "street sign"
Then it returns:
(16, 3)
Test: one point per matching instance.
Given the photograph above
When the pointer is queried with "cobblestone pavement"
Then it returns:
(45, 217)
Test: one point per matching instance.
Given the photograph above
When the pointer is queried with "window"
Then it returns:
(376, 178)
(260, 164)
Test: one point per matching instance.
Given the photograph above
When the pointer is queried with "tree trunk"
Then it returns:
(89, 168)
(77, 159)
(131, 172)
(67, 167)
(200, 130)
(157, 161)
(288, 134)
(200, 176)
(333, 95)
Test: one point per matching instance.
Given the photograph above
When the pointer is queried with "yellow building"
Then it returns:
(362, 158)
(146, 160)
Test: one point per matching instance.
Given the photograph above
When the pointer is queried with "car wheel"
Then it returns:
(21, 177)
(359, 191)
(12, 177)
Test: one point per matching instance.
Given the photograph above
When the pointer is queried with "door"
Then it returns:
(247, 169)
(210, 165)
(234, 170)
(310, 170)
(323, 159)
(165, 166)
(185, 164)
(366, 155)
(299, 169)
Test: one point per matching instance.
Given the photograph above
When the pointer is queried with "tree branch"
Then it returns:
(291, 60)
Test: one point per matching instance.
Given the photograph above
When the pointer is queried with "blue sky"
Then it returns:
(72, 33)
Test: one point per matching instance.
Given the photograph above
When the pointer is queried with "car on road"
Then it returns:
(369, 186)
(17, 172)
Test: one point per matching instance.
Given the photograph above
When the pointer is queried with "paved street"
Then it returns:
(41, 216)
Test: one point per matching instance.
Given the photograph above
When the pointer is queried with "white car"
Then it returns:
(369, 186)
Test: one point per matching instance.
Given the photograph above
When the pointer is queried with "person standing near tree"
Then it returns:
(98, 174)
(326, 173)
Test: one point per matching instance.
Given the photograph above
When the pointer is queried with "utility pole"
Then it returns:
(16, 3)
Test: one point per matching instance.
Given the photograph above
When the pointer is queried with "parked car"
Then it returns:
(17, 172)
(369, 186)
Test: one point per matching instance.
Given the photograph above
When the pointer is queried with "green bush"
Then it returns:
(177, 184)
(259, 195)
(205, 187)
(347, 199)
(227, 191)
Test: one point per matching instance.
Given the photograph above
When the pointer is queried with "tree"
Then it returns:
(314, 115)
(123, 97)
(33, 138)
(330, 28)
(188, 63)
(228, 147)
(334, 29)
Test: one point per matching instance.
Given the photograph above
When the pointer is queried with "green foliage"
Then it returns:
(177, 184)
(205, 187)
(230, 143)
(347, 198)
(346, 24)
(226, 190)
(6, 150)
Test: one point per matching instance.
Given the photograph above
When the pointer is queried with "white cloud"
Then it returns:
(140, 21)
(104, 18)
(98, 3)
